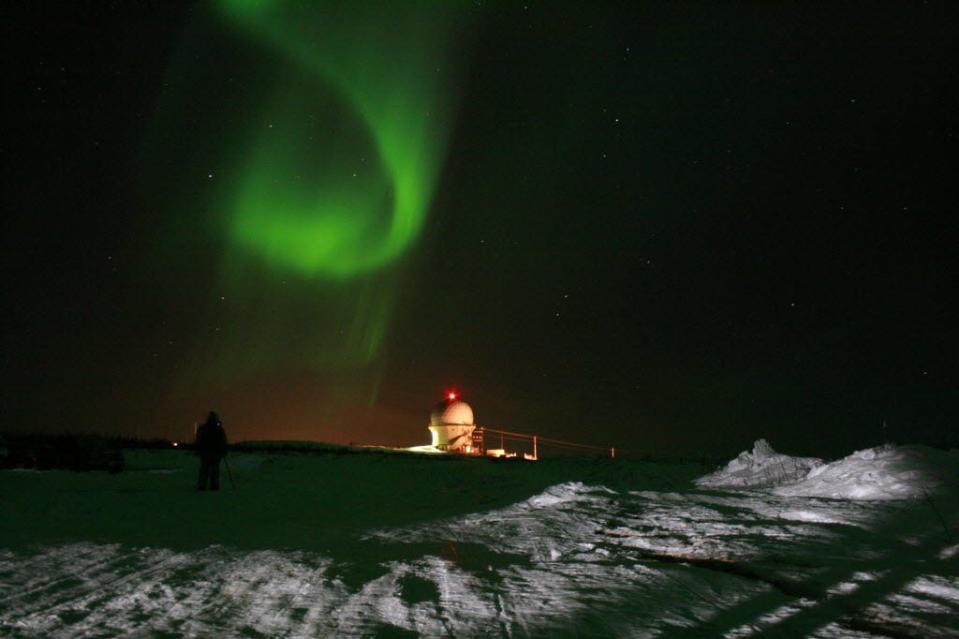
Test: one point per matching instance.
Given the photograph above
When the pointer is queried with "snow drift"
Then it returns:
(884, 472)
(762, 467)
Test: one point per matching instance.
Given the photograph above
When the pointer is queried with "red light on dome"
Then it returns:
(451, 395)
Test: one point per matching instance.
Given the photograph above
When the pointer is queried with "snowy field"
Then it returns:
(390, 545)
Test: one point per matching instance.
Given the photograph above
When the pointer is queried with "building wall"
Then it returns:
(451, 437)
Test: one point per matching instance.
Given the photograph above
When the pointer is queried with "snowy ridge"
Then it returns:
(884, 472)
(762, 467)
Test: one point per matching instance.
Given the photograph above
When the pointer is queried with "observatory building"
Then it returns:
(453, 429)
(452, 426)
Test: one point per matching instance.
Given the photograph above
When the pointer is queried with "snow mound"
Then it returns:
(885, 472)
(762, 467)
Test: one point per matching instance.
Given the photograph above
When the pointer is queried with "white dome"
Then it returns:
(452, 413)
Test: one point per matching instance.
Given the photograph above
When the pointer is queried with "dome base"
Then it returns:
(453, 438)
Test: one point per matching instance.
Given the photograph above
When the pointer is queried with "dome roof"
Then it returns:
(452, 413)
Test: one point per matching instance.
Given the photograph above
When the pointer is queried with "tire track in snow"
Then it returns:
(45, 573)
(103, 590)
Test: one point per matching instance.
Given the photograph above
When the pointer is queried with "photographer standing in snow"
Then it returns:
(210, 445)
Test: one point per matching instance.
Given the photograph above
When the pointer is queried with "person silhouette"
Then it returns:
(210, 445)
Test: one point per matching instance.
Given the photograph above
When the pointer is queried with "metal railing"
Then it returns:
(536, 440)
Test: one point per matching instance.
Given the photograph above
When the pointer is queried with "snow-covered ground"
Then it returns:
(381, 545)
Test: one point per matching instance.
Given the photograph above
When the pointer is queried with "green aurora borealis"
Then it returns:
(324, 183)
(364, 210)
(664, 225)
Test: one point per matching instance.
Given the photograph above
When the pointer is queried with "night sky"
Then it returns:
(669, 227)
